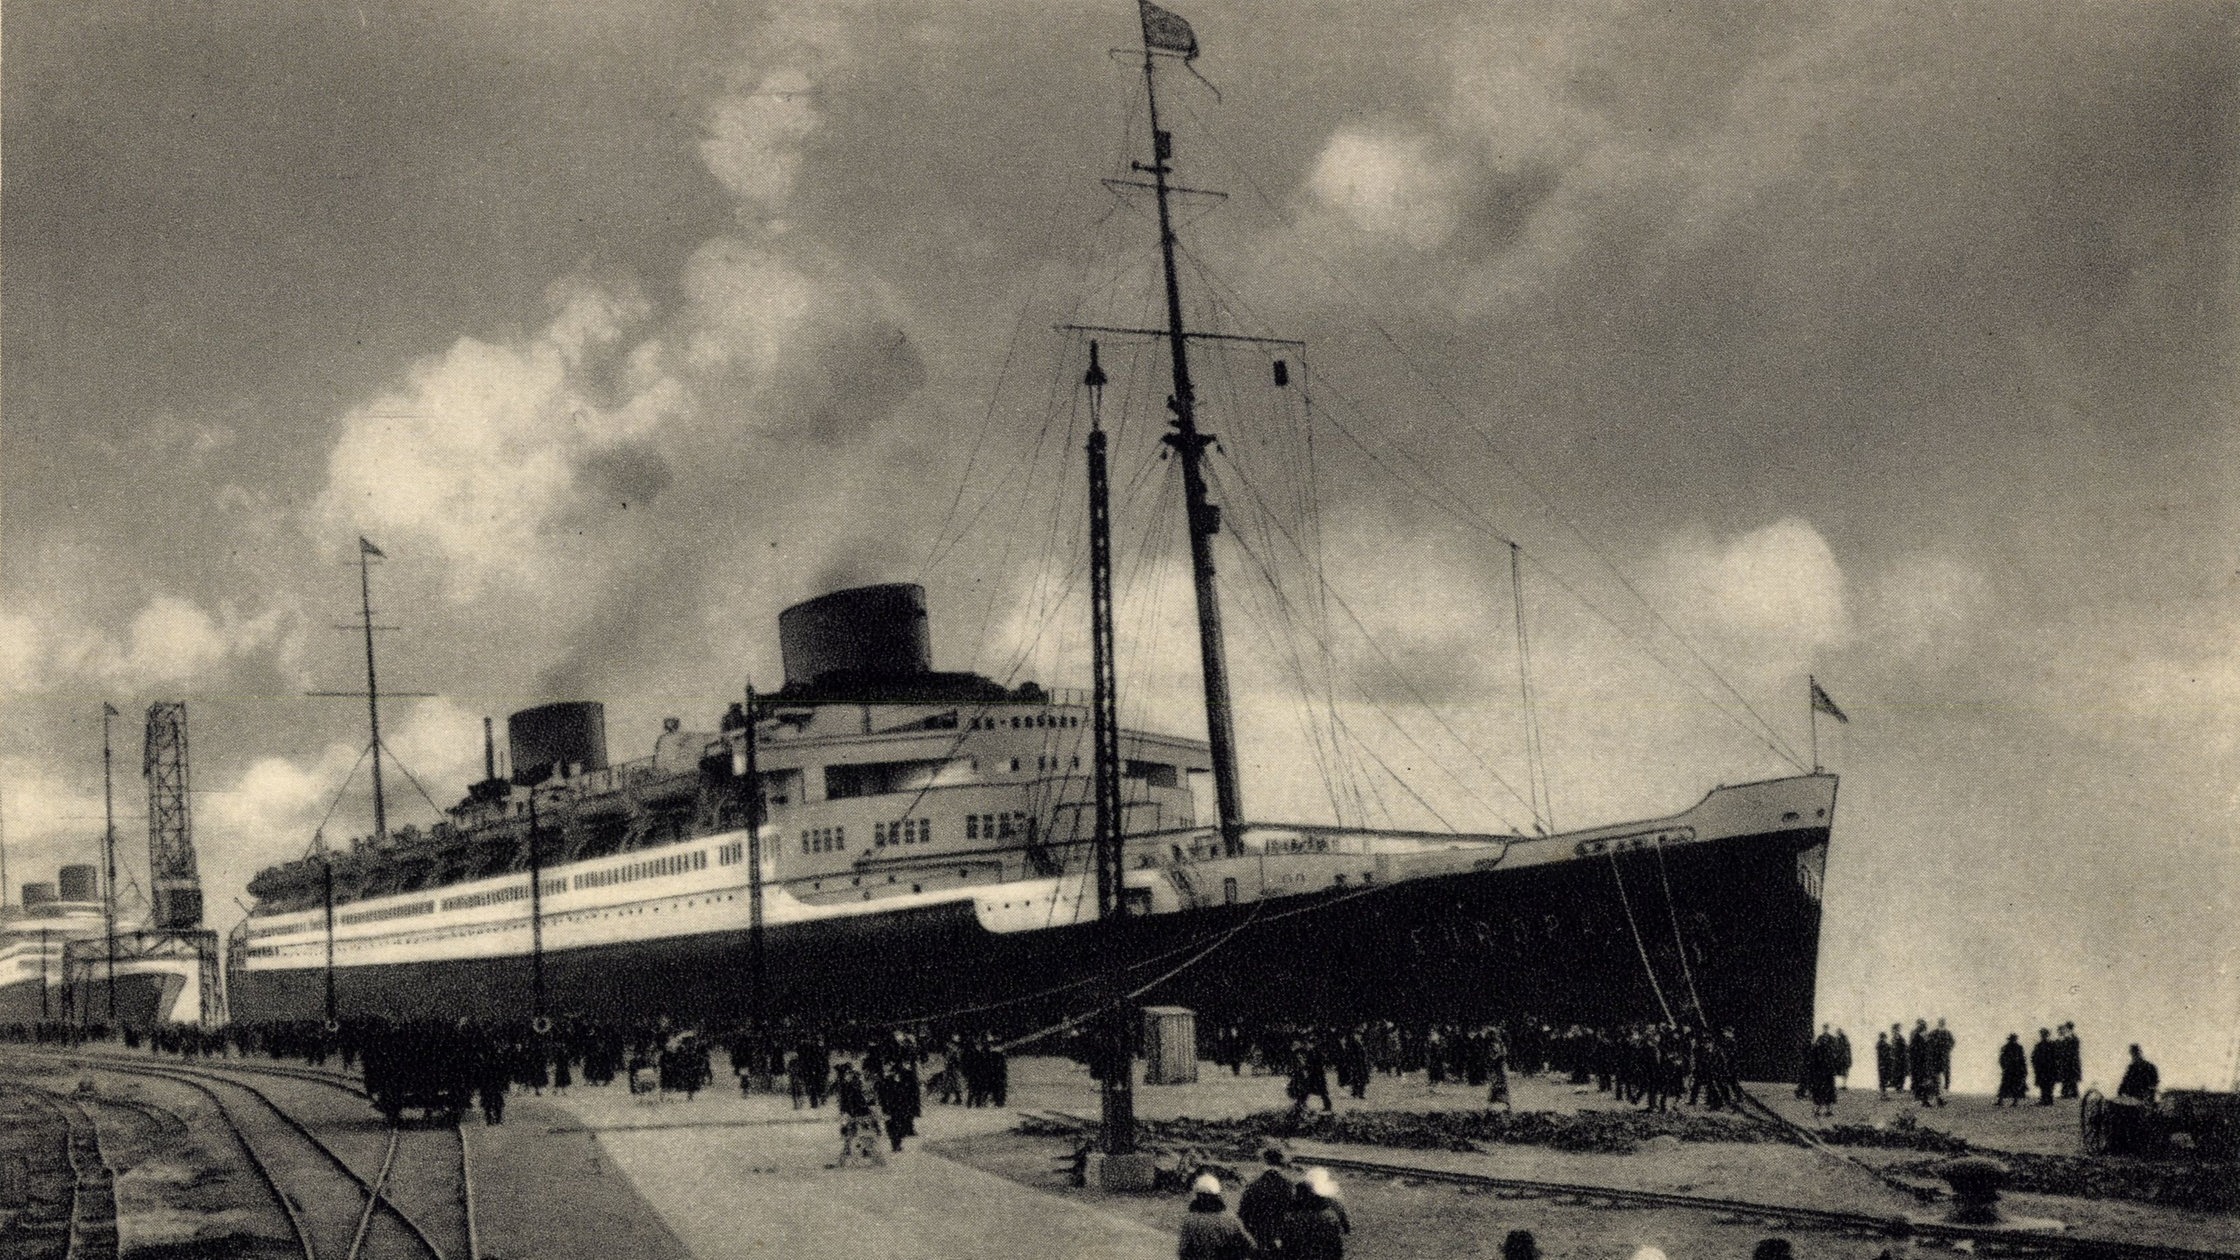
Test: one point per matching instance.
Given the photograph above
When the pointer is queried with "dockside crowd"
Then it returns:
(879, 1080)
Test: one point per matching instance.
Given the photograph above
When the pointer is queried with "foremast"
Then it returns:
(1165, 34)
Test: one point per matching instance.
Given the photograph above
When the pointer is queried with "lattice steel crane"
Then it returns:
(174, 885)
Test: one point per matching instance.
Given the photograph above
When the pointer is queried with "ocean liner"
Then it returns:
(55, 965)
(882, 841)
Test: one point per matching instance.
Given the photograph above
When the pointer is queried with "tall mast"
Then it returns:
(109, 857)
(326, 899)
(1118, 1076)
(1189, 446)
(536, 919)
(750, 770)
(366, 552)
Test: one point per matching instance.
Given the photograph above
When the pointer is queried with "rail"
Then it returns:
(376, 1201)
(1867, 1224)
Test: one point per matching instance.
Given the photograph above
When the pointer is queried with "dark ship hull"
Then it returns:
(143, 1001)
(1723, 933)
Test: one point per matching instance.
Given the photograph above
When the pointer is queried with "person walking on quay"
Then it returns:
(2013, 1079)
(1315, 1226)
(1820, 1074)
(1262, 1206)
(1520, 1245)
(491, 1080)
(1353, 1064)
(1843, 1059)
(1901, 1058)
(1921, 1065)
(2140, 1079)
(811, 1074)
(2072, 1060)
(2045, 1065)
(899, 1097)
(859, 1120)
(1941, 1044)
(1882, 1064)
(1208, 1231)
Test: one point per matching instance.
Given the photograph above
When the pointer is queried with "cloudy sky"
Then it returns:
(1892, 344)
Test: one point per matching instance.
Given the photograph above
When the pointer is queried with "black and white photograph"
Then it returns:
(922, 629)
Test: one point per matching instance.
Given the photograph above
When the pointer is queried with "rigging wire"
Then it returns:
(1776, 743)
(1398, 674)
(1254, 556)
(337, 801)
(1640, 945)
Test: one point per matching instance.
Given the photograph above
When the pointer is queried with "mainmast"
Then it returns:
(750, 771)
(366, 552)
(1165, 33)
(109, 857)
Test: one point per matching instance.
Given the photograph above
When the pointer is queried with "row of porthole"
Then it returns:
(486, 929)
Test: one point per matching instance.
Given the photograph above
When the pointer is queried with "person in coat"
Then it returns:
(1820, 1073)
(1941, 1043)
(2045, 1065)
(1312, 1229)
(900, 1098)
(859, 1120)
(1262, 1207)
(2140, 1079)
(1921, 1065)
(2014, 1083)
(1208, 1231)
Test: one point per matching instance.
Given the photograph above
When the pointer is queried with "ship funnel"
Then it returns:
(80, 883)
(37, 893)
(557, 738)
(863, 632)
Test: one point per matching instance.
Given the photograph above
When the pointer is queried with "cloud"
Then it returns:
(1386, 183)
(1776, 589)
(1926, 606)
(170, 641)
(270, 811)
(483, 447)
(753, 140)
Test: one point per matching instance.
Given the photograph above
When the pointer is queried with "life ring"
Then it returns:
(540, 1025)
(332, 1025)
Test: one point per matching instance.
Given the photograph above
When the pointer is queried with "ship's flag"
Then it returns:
(1166, 31)
(1821, 703)
(368, 549)
(109, 710)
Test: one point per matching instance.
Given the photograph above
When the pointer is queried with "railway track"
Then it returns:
(341, 1206)
(93, 1191)
(1982, 1240)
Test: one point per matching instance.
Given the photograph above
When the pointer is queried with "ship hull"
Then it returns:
(1723, 933)
(28, 1002)
(145, 999)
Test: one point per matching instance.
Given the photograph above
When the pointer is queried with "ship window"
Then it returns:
(1014, 721)
(972, 826)
(1229, 890)
(1014, 765)
(1076, 764)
